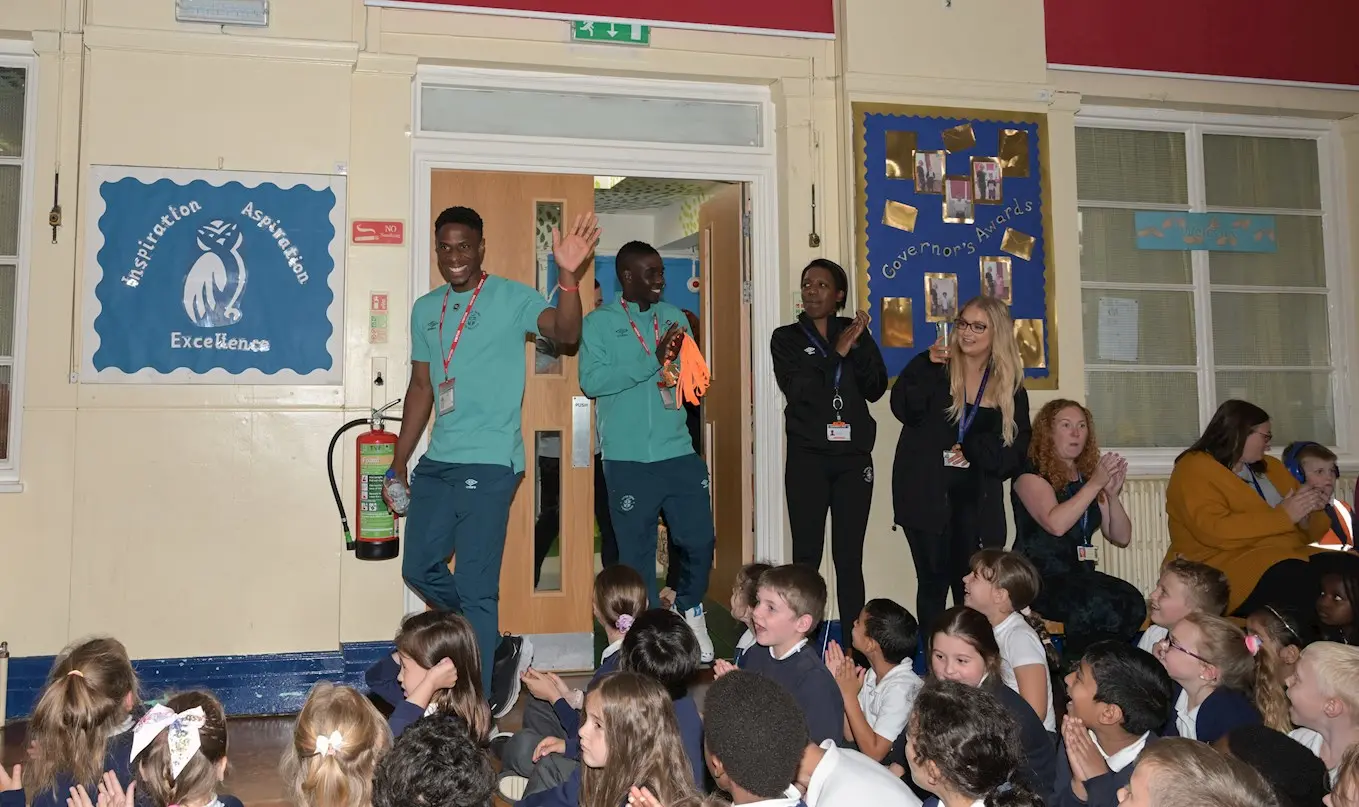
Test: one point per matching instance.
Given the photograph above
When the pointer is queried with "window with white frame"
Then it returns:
(14, 87)
(1170, 334)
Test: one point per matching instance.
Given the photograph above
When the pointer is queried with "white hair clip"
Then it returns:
(329, 745)
(183, 739)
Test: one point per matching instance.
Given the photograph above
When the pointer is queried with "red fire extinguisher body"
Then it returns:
(377, 537)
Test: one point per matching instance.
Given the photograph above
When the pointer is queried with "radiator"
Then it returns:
(1145, 501)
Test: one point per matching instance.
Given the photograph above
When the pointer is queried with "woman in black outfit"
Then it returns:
(830, 370)
(965, 430)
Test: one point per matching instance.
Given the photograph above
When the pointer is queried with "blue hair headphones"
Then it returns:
(1290, 458)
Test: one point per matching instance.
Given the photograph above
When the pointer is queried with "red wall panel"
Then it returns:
(1286, 40)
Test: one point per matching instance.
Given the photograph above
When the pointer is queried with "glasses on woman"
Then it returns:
(963, 325)
(1170, 642)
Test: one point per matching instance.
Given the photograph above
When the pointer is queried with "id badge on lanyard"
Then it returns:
(837, 431)
(445, 401)
(953, 458)
(1086, 549)
(668, 386)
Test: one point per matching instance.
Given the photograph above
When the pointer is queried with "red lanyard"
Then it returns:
(466, 312)
(655, 323)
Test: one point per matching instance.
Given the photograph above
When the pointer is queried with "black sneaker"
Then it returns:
(512, 658)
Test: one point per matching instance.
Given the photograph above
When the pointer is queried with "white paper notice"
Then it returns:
(1117, 329)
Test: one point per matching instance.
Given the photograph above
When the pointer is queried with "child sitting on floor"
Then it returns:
(1185, 587)
(878, 701)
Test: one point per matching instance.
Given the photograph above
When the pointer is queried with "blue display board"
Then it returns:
(1210, 232)
(952, 204)
(213, 277)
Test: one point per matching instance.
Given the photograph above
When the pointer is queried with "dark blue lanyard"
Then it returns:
(965, 422)
(821, 348)
(1085, 515)
(1256, 483)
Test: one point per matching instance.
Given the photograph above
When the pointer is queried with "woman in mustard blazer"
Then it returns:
(1237, 509)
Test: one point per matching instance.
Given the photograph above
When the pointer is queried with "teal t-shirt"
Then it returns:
(633, 422)
(488, 369)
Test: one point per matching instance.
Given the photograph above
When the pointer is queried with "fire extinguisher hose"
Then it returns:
(335, 485)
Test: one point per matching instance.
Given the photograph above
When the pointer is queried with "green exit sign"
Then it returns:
(618, 32)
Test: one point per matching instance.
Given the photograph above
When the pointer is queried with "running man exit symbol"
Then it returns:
(617, 32)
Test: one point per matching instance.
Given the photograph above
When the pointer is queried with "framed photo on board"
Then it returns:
(986, 178)
(929, 171)
(995, 278)
(958, 200)
(941, 297)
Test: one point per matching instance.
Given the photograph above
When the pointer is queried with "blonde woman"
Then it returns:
(965, 430)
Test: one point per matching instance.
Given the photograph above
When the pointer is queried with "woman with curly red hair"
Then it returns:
(1066, 491)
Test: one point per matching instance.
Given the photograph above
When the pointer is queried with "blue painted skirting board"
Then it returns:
(247, 685)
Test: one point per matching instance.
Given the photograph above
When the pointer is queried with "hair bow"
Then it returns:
(329, 745)
(623, 623)
(183, 739)
(1253, 643)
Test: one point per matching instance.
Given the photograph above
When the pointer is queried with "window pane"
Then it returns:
(547, 523)
(1299, 404)
(1138, 327)
(1121, 165)
(1109, 252)
(12, 111)
(1270, 330)
(9, 210)
(5, 388)
(1144, 410)
(1299, 261)
(1261, 172)
(7, 315)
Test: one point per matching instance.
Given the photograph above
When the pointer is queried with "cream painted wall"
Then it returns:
(126, 523)
(616, 229)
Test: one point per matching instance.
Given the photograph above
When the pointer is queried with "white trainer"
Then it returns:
(698, 623)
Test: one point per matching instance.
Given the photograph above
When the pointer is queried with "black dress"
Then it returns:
(1093, 605)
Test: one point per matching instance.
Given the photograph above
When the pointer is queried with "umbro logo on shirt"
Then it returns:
(809, 350)
(621, 332)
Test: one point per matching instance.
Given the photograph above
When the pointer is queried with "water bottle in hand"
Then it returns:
(398, 497)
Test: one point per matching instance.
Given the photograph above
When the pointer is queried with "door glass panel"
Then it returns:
(547, 215)
(547, 511)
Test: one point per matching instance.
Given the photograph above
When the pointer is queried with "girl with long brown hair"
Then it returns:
(629, 739)
(1066, 491)
(436, 667)
(82, 724)
(965, 430)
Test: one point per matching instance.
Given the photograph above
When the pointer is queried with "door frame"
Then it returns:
(755, 166)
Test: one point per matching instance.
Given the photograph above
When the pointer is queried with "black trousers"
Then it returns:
(842, 485)
(549, 522)
(941, 561)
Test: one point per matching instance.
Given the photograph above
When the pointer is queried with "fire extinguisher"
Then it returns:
(378, 536)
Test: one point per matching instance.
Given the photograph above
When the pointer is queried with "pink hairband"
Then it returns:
(623, 623)
(1253, 643)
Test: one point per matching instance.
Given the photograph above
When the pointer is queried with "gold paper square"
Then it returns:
(898, 324)
(959, 138)
(899, 216)
(900, 154)
(1013, 149)
(1017, 244)
(1029, 337)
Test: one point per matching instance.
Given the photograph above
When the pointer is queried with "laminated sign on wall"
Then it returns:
(213, 277)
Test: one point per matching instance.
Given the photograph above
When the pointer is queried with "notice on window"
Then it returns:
(1117, 329)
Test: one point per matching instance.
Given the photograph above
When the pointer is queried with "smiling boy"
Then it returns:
(791, 601)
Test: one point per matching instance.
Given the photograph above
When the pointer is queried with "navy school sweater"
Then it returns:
(117, 758)
(1223, 710)
(811, 684)
(381, 679)
(1100, 791)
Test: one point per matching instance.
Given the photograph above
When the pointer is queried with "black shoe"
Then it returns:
(512, 658)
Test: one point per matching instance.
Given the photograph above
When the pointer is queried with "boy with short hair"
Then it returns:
(1185, 587)
(878, 702)
(1316, 465)
(434, 763)
(1119, 696)
(790, 603)
(753, 740)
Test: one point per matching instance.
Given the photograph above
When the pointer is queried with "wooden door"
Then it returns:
(728, 446)
(518, 211)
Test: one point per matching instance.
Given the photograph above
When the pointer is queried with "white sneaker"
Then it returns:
(511, 787)
(698, 623)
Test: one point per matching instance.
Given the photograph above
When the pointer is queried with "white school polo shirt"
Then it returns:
(1151, 637)
(1312, 741)
(1121, 759)
(1186, 719)
(1020, 647)
(887, 703)
(846, 778)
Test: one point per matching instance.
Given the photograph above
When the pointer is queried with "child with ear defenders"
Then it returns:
(1315, 465)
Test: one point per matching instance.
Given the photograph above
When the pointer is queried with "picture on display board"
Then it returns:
(995, 278)
(958, 200)
(986, 179)
(989, 236)
(941, 297)
(929, 171)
